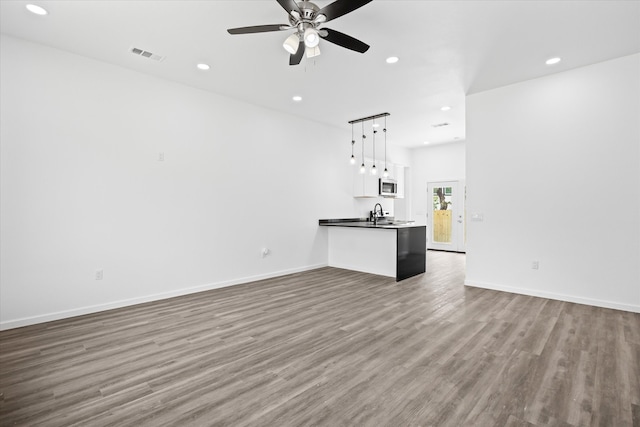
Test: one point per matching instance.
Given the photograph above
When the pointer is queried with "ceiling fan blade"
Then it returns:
(344, 40)
(289, 6)
(259, 29)
(341, 7)
(297, 57)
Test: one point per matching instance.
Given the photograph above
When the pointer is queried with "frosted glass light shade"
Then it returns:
(313, 51)
(311, 37)
(291, 44)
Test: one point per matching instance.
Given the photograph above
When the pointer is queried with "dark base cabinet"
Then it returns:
(412, 252)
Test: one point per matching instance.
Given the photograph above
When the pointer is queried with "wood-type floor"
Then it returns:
(330, 347)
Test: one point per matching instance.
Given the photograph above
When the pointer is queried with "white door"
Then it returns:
(446, 216)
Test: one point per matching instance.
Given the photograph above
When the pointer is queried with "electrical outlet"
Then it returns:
(99, 274)
(535, 265)
(161, 156)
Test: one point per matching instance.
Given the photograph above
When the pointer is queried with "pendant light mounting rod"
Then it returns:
(364, 119)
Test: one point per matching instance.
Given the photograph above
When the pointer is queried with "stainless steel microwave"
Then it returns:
(388, 187)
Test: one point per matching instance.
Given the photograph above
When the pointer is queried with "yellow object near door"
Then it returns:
(442, 226)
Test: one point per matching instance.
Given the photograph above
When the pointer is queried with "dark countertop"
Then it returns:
(365, 223)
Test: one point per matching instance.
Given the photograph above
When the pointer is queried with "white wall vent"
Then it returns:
(439, 125)
(146, 54)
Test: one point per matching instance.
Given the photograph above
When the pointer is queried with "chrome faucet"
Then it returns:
(375, 213)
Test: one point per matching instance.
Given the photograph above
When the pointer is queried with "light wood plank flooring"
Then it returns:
(330, 347)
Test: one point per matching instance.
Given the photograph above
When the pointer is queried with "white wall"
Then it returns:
(554, 166)
(442, 162)
(82, 188)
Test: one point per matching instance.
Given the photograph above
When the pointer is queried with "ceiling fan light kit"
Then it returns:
(305, 18)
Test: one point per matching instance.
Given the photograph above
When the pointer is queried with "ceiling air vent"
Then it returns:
(439, 125)
(146, 54)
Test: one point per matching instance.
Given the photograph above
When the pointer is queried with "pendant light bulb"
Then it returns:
(352, 160)
(385, 174)
(362, 168)
(374, 171)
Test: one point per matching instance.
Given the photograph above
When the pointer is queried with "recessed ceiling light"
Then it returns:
(297, 98)
(392, 60)
(426, 143)
(445, 108)
(203, 67)
(376, 125)
(36, 9)
(552, 61)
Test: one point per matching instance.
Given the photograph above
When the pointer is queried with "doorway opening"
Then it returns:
(446, 216)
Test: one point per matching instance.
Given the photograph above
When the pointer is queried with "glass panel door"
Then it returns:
(442, 209)
(446, 216)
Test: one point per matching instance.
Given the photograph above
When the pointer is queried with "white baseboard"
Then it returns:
(26, 321)
(554, 296)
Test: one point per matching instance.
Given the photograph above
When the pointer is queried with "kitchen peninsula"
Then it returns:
(394, 249)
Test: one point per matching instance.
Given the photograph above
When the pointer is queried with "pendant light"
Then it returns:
(384, 130)
(374, 171)
(353, 143)
(362, 168)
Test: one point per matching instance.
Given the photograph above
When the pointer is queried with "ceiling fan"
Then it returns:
(306, 18)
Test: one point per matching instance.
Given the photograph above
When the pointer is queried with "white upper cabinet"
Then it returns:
(365, 184)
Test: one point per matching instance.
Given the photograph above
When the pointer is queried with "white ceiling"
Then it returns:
(447, 49)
